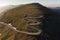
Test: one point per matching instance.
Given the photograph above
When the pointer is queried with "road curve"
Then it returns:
(24, 32)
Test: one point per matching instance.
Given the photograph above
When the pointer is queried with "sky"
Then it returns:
(47, 3)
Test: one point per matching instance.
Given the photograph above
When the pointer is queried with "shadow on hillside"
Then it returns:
(52, 25)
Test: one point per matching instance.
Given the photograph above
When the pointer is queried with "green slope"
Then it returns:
(16, 16)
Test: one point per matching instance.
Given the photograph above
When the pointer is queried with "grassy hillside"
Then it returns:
(16, 17)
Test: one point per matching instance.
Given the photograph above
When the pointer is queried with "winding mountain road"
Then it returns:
(24, 32)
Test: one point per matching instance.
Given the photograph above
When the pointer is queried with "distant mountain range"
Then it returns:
(56, 9)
